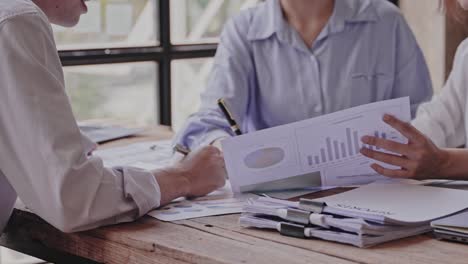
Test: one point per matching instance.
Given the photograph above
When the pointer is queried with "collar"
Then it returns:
(269, 19)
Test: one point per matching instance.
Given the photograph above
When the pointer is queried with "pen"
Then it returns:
(180, 152)
(234, 127)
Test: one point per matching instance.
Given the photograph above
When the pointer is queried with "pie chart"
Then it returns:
(264, 158)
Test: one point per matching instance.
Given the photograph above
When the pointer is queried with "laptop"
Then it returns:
(453, 228)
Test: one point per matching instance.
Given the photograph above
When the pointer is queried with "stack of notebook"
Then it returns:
(363, 217)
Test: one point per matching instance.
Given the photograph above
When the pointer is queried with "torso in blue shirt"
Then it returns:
(269, 77)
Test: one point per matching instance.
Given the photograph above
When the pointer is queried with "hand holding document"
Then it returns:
(322, 151)
(420, 158)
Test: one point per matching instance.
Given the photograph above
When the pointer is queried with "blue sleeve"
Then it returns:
(230, 79)
(412, 76)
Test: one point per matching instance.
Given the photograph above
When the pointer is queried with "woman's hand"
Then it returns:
(420, 158)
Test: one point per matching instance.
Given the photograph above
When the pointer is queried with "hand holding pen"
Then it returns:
(179, 153)
(203, 169)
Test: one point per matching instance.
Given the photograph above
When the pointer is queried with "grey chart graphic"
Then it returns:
(334, 150)
(264, 158)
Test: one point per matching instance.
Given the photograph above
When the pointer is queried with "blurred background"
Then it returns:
(156, 56)
(146, 61)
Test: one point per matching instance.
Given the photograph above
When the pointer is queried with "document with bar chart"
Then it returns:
(322, 151)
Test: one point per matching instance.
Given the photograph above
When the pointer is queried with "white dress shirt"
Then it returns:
(43, 154)
(444, 120)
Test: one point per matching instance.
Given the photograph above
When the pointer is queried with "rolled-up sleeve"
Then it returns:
(230, 79)
(44, 156)
(443, 119)
(412, 76)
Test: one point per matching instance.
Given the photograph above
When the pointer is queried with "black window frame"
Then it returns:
(163, 55)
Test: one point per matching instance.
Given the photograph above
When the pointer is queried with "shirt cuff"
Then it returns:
(423, 124)
(142, 187)
(210, 137)
(88, 145)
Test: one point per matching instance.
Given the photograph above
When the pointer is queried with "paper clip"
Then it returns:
(311, 206)
(293, 230)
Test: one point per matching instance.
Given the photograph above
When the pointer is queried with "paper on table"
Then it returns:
(219, 202)
(397, 203)
(288, 194)
(158, 154)
(323, 151)
(146, 155)
(100, 134)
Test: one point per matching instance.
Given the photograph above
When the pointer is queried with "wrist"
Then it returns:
(184, 181)
(173, 184)
(445, 161)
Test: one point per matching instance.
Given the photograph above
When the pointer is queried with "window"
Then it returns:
(111, 24)
(143, 60)
(124, 91)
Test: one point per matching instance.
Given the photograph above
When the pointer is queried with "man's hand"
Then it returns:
(420, 158)
(200, 173)
(205, 171)
(217, 143)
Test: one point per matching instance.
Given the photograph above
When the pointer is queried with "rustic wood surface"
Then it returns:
(217, 239)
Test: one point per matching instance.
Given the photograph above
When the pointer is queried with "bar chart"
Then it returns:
(328, 145)
(336, 150)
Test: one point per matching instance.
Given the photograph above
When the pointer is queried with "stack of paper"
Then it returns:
(354, 231)
(363, 217)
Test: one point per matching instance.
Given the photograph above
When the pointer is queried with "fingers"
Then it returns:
(387, 145)
(388, 158)
(404, 128)
(390, 173)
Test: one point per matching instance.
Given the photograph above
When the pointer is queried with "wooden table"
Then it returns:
(217, 239)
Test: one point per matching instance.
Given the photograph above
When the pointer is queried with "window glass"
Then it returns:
(111, 23)
(201, 21)
(189, 78)
(123, 92)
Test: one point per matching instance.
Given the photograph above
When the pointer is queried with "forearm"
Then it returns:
(173, 184)
(455, 164)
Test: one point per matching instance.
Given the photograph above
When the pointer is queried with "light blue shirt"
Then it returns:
(269, 77)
